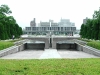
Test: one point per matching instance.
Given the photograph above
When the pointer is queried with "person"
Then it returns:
(13, 37)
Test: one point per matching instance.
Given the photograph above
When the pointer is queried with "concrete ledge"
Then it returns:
(21, 47)
(8, 51)
(79, 47)
(88, 49)
(91, 50)
(80, 42)
(44, 39)
(36, 46)
(11, 50)
(20, 42)
(66, 46)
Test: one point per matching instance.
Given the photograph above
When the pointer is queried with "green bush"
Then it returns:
(5, 44)
(94, 44)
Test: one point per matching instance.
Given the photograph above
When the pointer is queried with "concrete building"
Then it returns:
(54, 25)
(51, 23)
(66, 23)
(85, 20)
(64, 27)
(44, 24)
(33, 23)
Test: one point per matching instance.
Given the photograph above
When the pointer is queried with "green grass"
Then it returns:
(50, 67)
(5, 44)
(94, 44)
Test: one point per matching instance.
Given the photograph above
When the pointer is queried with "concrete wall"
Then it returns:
(88, 49)
(79, 47)
(91, 50)
(66, 46)
(44, 39)
(11, 50)
(21, 47)
(56, 39)
(36, 46)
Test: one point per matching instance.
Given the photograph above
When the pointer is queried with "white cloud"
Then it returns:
(75, 10)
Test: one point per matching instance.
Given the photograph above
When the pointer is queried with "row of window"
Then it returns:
(51, 28)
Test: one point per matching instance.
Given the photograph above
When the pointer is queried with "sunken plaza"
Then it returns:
(49, 40)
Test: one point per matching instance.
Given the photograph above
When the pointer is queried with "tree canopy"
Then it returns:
(91, 30)
(8, 25)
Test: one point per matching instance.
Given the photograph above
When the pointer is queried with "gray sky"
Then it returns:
(76, 10)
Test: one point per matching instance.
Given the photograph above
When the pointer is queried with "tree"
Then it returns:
(8, 25)
(4, 9)
(82, 31)
(2, 35)
(91, 30)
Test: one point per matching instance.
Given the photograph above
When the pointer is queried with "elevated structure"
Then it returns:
(56, 30)
(58, 39)
(64, 27)
(51, 40)
(44, 39)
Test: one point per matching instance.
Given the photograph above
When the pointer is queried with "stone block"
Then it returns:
(91, 50)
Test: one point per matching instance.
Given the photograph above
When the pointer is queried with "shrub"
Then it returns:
(94, 44)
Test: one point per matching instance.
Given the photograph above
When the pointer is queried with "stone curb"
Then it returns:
(11, 50)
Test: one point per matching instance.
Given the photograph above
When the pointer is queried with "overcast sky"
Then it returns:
(76, 10)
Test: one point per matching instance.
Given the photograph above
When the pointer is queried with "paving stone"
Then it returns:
(48, 54)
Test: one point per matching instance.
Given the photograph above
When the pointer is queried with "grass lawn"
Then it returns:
(92, 43)
(95, 44)
(89, 66)
(5, 44)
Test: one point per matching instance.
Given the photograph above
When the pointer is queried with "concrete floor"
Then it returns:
(47, 54)
(75, 54)
(26, 54)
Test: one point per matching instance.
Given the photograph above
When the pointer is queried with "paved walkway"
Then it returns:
(48, 53)
(75, 54)
(26, 54)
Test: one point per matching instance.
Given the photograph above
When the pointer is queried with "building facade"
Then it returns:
(85, 20)
(64, 27)
(33, 23)
(66, 23)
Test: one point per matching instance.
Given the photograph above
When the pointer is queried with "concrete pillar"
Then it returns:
(54, 45)
(46, 43)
